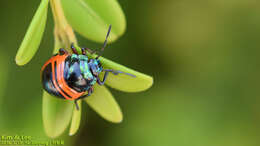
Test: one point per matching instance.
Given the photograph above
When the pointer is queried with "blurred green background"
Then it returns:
(204, 57)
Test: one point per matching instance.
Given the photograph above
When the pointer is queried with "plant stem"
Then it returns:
(63, 32)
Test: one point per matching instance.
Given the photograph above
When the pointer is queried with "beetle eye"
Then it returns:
(99, 64)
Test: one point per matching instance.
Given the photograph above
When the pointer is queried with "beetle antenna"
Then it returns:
(116, 72)
(105, 43)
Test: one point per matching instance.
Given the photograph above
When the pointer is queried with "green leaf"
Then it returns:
(75, 122)
(125, 82)
(56, 114)
(91, 18)
(33, 36)
(104, 104)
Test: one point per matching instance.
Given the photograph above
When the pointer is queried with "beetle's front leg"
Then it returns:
(89, 50)
(105, 76)
(104, 79)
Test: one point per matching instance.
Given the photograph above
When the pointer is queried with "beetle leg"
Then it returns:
(104, 79)
(76, 103)
(83, 51)
(62, 51)
(89, 50)
(73, 49)
(105, 76)
(83, 96)
(90, 91)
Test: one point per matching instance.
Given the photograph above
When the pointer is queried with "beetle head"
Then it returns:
(95, 66)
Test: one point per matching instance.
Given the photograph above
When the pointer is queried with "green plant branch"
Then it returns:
(63, 33)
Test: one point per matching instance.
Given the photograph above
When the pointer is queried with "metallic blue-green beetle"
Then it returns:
(70, 76)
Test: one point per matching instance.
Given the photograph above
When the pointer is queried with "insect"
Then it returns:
(71, 75)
